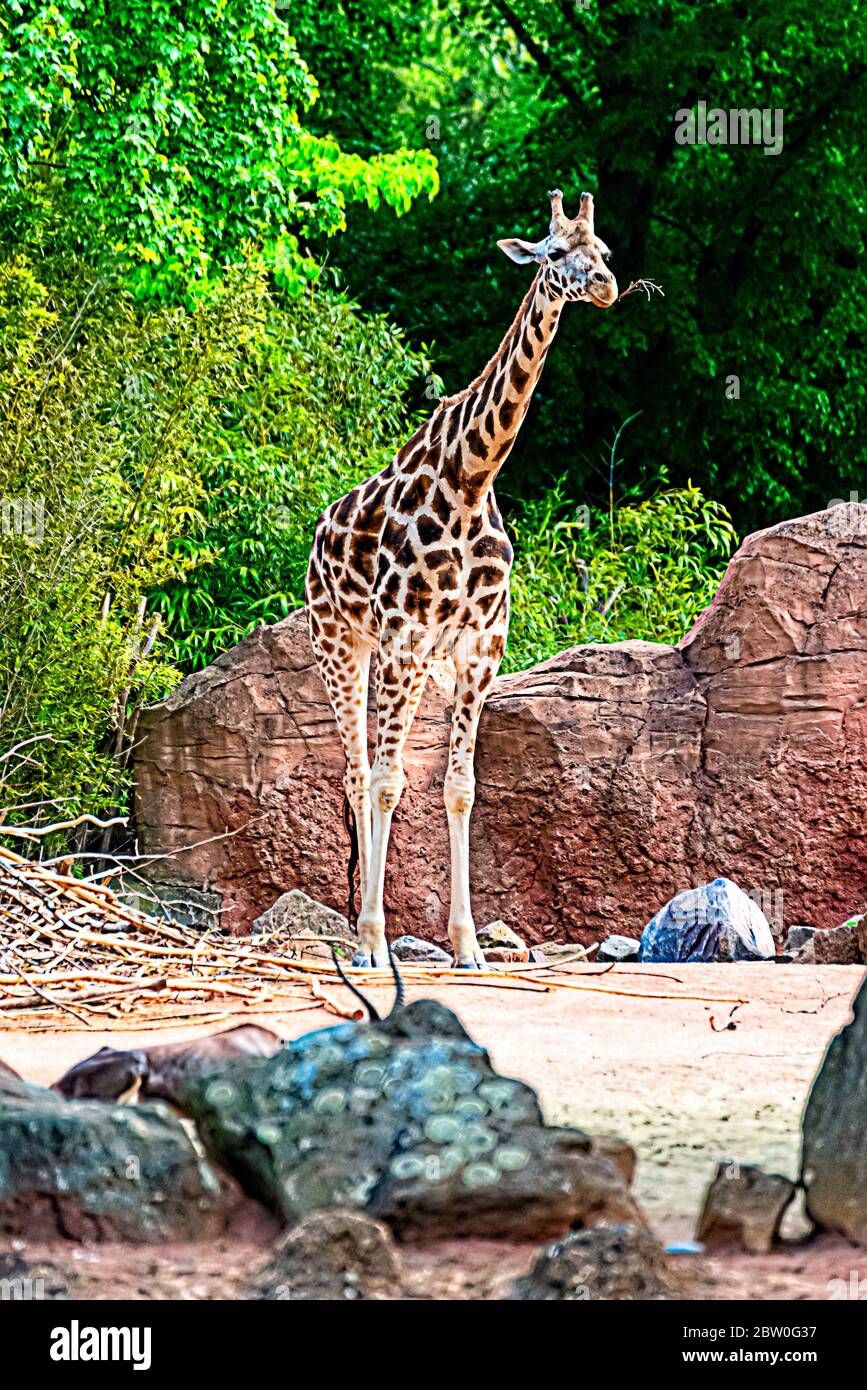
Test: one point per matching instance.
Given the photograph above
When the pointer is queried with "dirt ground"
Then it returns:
(642, 1052)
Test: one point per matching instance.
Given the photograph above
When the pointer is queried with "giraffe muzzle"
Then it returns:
(602, 290)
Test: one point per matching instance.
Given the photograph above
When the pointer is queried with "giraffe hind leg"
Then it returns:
(344, 664)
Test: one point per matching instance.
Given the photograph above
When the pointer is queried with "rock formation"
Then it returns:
(620, 1262)
(89, 1170)
(743, 1209)
(610, 778)
(834, 1149)
(407, 1120)
(715, 922)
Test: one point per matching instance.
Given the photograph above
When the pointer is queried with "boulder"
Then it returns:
(86, 1170)
(407, 1120)
(743, 1209)
(806, 955)
(11, 1084)
(621, 1154)
(564, 952)
(158, 1073)
(839, 945)
(412, 948)
(797, 938)
(297, 914)
(332, 1255)
(505, 955)
(608, 777)
(498, 936)
(618, 948)
(834, 1132)
(621, 1262)
(716, 922)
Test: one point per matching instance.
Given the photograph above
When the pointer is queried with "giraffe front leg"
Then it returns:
(386, 786)
(399, 689)
(474, 679)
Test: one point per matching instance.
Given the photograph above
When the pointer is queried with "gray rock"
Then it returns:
(743, 1209)
(11, 1084)
(86, 1170)
(622, 1262)
(796, 938)
(717, 922)
(564, 951)
(332, 1255)
(296, 914)
(839, 945)
(499, 935)
(619, 948)
(807, 953)
(833, 1151)
(619, 1151)
(424, 952)
(408, 1120)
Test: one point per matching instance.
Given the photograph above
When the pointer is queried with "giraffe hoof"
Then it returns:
(371, 960)
(466, 965)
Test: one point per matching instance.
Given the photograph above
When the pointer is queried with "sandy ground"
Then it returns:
(635, 1053)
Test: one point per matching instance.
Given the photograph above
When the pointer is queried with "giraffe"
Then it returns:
(414, 564)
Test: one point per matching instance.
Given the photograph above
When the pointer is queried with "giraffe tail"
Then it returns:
(353, 989)
(352, 832)
(399, 994)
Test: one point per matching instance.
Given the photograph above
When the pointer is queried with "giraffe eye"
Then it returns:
(557, 254)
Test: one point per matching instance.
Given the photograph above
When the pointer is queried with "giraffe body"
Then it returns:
(414, 564)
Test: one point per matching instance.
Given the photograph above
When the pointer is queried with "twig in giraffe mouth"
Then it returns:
(648, 287)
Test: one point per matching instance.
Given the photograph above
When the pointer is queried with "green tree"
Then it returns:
(318, 405)
(104, 413)
(644, 569)
(171, 134)
(761, 258)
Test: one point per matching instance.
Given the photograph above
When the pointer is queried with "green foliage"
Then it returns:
(105, 413)
(318, 405)
(170, 134)
(644, 569)
(761, 258)
(161, 468)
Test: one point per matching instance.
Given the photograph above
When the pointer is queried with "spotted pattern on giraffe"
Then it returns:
(415, 562)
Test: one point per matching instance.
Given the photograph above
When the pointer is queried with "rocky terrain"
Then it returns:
(710, 1105)
(610, 778)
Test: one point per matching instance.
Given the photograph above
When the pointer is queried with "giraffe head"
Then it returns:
(572, 256)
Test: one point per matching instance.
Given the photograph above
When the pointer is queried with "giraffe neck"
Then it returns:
(480, 425)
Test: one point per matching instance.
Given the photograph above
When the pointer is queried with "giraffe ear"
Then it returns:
(521, 251)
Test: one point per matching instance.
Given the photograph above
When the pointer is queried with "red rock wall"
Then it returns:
(609, 777)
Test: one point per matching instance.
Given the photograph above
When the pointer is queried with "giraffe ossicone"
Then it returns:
(414, 565)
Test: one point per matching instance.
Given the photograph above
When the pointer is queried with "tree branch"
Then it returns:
(540, 55)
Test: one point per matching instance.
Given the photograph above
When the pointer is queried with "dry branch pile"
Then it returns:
(78, 950)
(75, 956)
